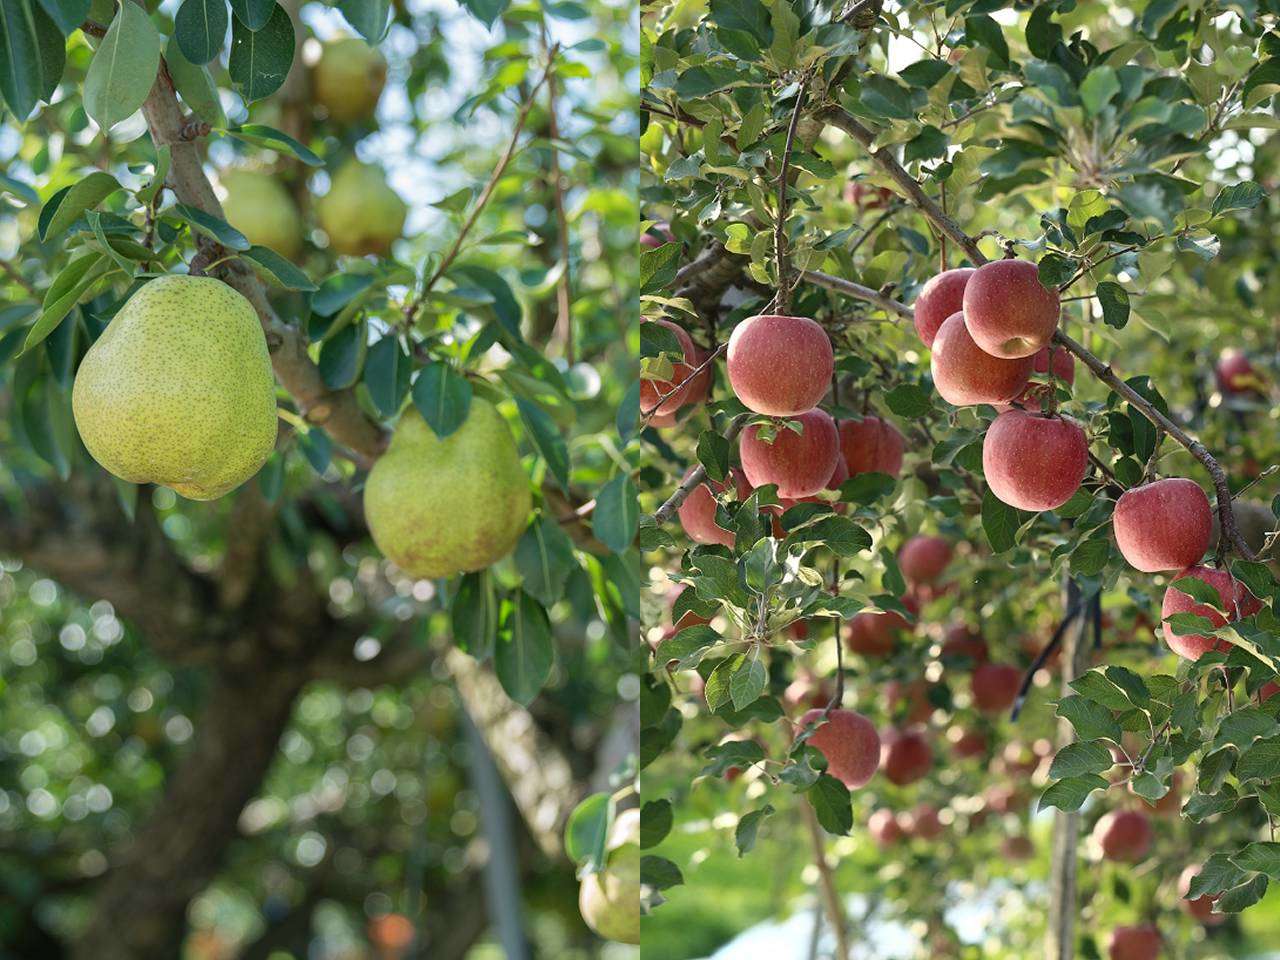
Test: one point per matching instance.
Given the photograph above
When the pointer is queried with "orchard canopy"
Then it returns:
(317, 585)
(958, 383)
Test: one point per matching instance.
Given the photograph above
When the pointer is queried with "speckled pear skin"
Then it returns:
(348, 79)
(360, 213)
(259, 206)
(439, 507)
(178, 389)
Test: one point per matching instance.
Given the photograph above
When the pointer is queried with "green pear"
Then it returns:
(348, 79)
(609, 900)
(259, 206)
(178, 389)
(438, 507)
(360, 213)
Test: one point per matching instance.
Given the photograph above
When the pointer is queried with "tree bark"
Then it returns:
(140, 911)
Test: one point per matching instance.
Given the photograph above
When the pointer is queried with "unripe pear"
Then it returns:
(258, 205)
(360, 213)
(609, 900)
(348, 79)
(178, 389)
(436, 507)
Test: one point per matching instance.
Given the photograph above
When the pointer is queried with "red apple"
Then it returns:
(1033, 461)
(966, 743)
(779, 366)
(964, 374)
(962, 641)
(942, 296)
(1235, 374)
(905, 756)
(865, 196)
(1134, 943)
(1008, 312)
(910, 698)
(1165, 525)
(800, 464)
(923, 559)
(995, 686)
(849, 742)
(839, 475)
(923, 822)
(807, 690)
(1234, 600)
(884, 828)
(875, 634)
(651, 391)
(1003, 798)
(1201, 908)
(1124, 835)
(871, 445)
(698, 513)
(1035, 395)
(1268, 690)
(657, 235)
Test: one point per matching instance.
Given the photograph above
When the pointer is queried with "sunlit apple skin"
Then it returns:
(1032, 461)
(905, 756)
(1233, 598)
(939, 298)
(652, 390)
(924, 559)
(698, 514)
(965, 375)
(779, 366)
(850, 743)
(1164, 525)
(1008, 312)
(884, 828)
(1124, 835)
(1134, 943)
(876, 634)
(800, 464)
(995, 686)
(871, 445)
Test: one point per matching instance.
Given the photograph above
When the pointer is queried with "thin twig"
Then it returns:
(781, 261)
(697, 475)
(18, 278)
(827, 882)
(415, 304)
(663, 398)
(858, 292)
(564, 311)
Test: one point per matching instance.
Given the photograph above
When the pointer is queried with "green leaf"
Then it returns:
(213, 227)
(32, 55)
(587, 831)
(1080, 759)
(19, 189)
(54, 313)
(1238, 196)
(713, 453)
(66, 205)
(443, 397)
(525, 653)
(254, 14)
(1000, 522)
(983, 31)
(260, 59)
(658, 267)
(831, 802)
(486, 11)
(200, 28)
(67, 15)
(1243, 896)
(369, 18)
(276, 268)
(260, 135)
(1098, 87)
(744, 835)
(659, 873)
(924, 73)
(786, 31)
(617, 515)
(1218, 873)
(123, 68)
(1260, 762)
(342, 357)
(908, 400)
(1055, 270)
(1115, 304)
(547, 440)
(747, 682)
(544, 557)
(195, 84)
(1069, 794)
(1091, 720)
(386, 374)
(474, 615)
(656, 818)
